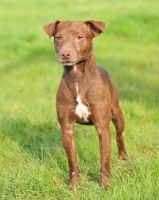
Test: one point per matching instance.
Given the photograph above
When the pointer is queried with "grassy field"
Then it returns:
(33, 164)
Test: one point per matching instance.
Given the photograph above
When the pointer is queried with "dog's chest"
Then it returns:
(81, 110)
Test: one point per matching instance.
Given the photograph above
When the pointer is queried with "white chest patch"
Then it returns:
(81, 110)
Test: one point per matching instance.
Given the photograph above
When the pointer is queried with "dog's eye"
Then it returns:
(79, 37)
(58, 37)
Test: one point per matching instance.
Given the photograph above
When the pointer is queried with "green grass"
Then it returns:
(33, 164)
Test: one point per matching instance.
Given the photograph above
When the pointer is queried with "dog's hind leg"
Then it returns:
(118, 121)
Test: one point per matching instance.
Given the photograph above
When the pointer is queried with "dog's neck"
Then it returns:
(77, 76)
(82, 68)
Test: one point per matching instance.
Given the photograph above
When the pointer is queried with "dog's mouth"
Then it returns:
(69, 63)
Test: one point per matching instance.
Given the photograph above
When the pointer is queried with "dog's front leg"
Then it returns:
(101, 117)
(105, 152)
(70, 149)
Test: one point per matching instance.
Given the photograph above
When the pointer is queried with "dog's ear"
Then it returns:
(50, 28)
(96, 27)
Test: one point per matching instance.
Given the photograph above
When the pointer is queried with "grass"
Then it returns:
(33, 162)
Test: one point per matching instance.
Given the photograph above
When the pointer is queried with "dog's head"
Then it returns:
(73, 40)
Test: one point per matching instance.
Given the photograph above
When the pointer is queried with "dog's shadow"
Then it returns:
(37, 140)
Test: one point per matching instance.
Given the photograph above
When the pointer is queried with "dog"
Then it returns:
(86, 94)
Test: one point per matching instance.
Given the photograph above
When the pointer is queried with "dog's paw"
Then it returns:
(106, 183)
(123, 156)
(74, 181)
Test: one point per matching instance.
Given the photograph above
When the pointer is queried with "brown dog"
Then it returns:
(86, 94)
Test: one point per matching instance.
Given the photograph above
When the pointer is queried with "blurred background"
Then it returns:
(33, 163)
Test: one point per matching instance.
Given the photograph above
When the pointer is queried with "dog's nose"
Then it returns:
(65, 54)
